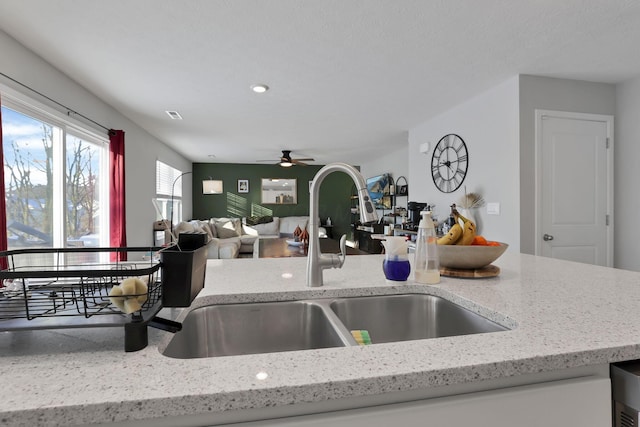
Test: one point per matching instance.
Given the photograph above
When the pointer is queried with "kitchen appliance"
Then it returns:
(625, 381)
(414, 209)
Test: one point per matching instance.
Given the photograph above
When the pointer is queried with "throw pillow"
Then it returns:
(255, 220)
(251, 220)
(237, 223)
(212, 227)
(226, 230)
(183, 227)
(202, 227)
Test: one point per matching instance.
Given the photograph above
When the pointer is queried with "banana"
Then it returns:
(468, 231)
(452, 236)
(464, 219)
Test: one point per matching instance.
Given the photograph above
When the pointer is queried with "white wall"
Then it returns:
(551, 94)
(141, 149)
(393, 162)
(488, 123)
(627, 175)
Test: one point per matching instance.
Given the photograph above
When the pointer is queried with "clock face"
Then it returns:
(449, 163)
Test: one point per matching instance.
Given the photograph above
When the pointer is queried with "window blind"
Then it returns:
(165, 177)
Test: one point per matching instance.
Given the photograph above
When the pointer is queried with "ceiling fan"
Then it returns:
(286, 160)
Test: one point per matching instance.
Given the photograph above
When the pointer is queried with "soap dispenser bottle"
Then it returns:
(427, 269)
(396, 264)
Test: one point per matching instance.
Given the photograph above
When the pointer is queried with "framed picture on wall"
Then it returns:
(279, 191)
(243, 186)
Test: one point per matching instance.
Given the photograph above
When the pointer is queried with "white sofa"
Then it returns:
(230, 237)
(223, 240)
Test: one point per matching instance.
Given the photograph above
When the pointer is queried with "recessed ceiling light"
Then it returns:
(260, 88)
(174, 115)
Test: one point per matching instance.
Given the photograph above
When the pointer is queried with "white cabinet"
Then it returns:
(580, 402)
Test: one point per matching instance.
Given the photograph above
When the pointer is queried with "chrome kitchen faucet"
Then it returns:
(316, 261)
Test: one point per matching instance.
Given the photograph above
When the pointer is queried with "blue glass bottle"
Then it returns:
(397, 270)
(396, 263)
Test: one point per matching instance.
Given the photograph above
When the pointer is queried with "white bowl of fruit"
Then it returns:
(462, 248)
(470, 257)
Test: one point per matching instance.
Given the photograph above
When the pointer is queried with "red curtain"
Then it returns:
(3, 205)
(117, 217)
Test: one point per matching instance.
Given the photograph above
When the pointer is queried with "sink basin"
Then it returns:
(234, 329)
(266, 327)
(391, 318)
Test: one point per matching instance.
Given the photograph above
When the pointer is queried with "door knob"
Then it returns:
(547, 237)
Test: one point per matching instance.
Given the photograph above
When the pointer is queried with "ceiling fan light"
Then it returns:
(286, 164)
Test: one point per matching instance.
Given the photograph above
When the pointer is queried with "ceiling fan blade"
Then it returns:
(286, 158)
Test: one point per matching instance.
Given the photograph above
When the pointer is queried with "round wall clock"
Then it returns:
(449, 163)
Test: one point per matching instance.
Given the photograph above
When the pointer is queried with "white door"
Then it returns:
(574, 200)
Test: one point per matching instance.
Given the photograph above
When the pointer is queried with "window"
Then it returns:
(56, 180)
(167, 190)
(84, 162)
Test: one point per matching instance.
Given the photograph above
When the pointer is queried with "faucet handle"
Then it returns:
(343, 250)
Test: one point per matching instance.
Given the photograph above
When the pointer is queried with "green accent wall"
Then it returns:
(335, 193)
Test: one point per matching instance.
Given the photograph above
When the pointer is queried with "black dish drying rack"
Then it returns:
(69, 288)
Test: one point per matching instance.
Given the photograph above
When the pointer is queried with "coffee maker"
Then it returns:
(414, 209)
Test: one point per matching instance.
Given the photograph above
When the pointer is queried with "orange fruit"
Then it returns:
(493, 243)
(479, 241)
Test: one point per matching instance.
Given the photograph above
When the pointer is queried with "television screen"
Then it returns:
(378, 187)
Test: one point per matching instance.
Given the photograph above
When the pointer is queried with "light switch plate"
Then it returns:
(493, 208)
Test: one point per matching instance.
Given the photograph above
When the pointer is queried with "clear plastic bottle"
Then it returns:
(427, 265)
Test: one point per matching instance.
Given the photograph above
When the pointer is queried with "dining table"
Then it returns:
(287, 247)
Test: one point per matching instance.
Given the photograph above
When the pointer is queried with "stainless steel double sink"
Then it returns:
(265, 327)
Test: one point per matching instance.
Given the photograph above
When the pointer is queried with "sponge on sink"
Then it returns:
(361, 336)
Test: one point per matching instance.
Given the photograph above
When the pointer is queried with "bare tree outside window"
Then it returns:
(82, 190)
(28, 187)
(30, 166)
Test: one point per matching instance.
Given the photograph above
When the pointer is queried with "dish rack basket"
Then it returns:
(53, 288)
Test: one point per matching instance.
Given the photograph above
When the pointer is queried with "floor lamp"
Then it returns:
(173, 236)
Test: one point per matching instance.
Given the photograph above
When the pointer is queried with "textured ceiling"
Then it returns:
(348, 78)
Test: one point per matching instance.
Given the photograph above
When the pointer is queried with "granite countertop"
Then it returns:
(562, 315)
